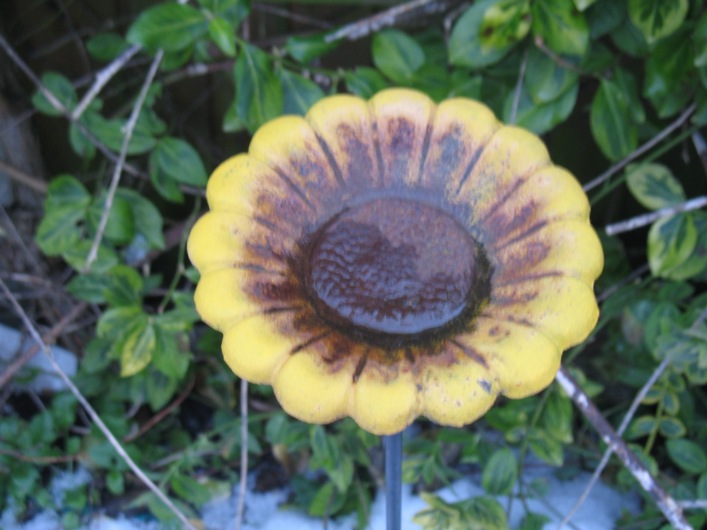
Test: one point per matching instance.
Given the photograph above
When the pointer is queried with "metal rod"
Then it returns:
(393, 479)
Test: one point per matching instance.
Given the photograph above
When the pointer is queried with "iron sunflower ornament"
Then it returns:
(392, 258)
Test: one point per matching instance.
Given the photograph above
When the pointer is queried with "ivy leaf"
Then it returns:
(222, 33)
(180, 161)
(164, 184)
(298, 92)
(61, 88)
(467, 47)
(123, 286)
(397, 55)
(364, 81)
(111, 133)
(500, 472)
(147, 218)
(120, 227)
(670, 81)
(59, 230)
(563, 29)
(258, 91)
(610, 120)
(77, 253)
(657, 18)
(688, 455)
(541, 117)
(170, 26)
(305, 49)
(545, 79)
(137, 348)
(671, 241)
(654, 186)
(106, 46)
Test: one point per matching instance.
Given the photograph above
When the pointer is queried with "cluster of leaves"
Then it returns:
(623, 68)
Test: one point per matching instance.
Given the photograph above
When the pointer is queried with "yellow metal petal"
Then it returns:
(460, 129)
(458, 394)
(511, 156)
(402, 121)
(254, 348)
(561, 307)
(308, 390)
(344, 125)
(218, 240)
(384, 407)
(562, 248)
(547, 195)
(246, 185)
(522, 359)
(290, 146)
(221, 300)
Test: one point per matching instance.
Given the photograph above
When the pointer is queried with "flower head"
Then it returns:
(391, 258)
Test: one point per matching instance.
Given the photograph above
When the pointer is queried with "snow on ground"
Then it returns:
(263, 510)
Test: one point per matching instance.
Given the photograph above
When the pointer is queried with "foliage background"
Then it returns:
(112, 114)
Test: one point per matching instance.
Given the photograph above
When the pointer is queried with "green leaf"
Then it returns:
(545, 79)
(180, 161)
(115, 482)
(299, 93)
(397, 55)
(670, 80)
(89, 287)
(364, 81)
(66, 191)
(120, 227)
(164, 184)
(671, 241)
(583, 4)
(671, 428)
(111, 133)
(562, 28)
(540, 117)
(700, 42)
(80, 143)
(124, 286)
(467, 47)
(546, 448)
(657, 18)
(76, 257)
(654, 186)
(136, 349)
(500, 472)
(557, 418)
(119, 320)
(505, 23)
(59, 230)
(169, 26)
(610, 120)
(189, 489)
(533, 521)
(222, 33)
(148, 220)
(106, 46)
(697, 262)
(61, 88)
(305, 49)
(258, 90)
(640, 427)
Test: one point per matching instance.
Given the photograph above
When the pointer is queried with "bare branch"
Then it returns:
(648, 218)
(129, 128)
(670, 508)
(102, 78)
(389, 17)
(91, 411)
(24, 178)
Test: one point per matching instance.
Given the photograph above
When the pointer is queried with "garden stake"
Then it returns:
(393, 445)
(391, 258)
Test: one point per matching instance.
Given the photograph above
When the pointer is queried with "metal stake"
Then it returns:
(393, 446)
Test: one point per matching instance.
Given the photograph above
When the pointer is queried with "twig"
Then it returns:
(559, 60)
(640, 396)
(701, 147)
(641, 149)
(389, 17)
(693, 505)
(24, 178)
(244, 455)
(90, 410)
(102, 78)
(670, 508)
(647, 218)
(129, 128)
(49, 338)
(519, 88)
(161, 414)
(42, 459)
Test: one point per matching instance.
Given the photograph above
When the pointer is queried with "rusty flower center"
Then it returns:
(393, 267)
